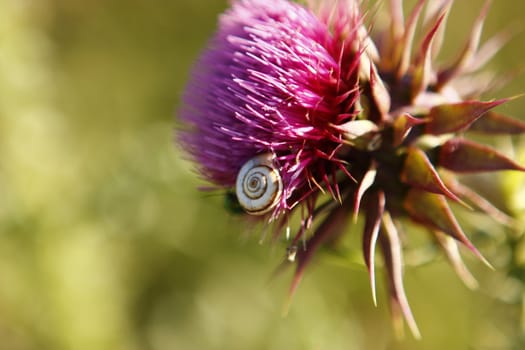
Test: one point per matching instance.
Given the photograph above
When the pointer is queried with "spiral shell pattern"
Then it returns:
(259, 185)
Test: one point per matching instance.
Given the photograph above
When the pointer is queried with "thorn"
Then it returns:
(366, 182)
(374, 214)
(391, 246)
(423, 69)
(436, 9)
(464, 59)
(379, 92)
(408, 39)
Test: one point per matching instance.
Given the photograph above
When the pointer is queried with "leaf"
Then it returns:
(496, 123)
(402, 126)
(419, 172)
(450, 247)
(433, 211)
(454, 117)
(460, 155)
(479, 202)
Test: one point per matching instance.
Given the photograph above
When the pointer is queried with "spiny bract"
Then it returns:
(364, 115)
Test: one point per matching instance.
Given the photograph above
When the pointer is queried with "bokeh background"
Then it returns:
(105, 242)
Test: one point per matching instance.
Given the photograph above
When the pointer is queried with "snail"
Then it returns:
(259, 185)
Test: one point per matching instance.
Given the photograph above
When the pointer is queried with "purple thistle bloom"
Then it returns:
(291, 102)
(274, 79)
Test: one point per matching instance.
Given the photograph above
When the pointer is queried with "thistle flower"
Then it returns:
(290, 102)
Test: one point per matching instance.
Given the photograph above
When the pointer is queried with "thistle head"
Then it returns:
(305, 109)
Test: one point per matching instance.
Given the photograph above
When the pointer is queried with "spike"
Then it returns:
(432, 210)
(366, 182)
(422, 67)
(496, 123)
(463, 156)
(390, 46)
(419, 172)
(480, 203)
(374, 214)
(456, 117)
(490, 48)
(331, 227)
(355, 129)
(435, 10)
(473, 85)
(369, 47)
(468, 52)
(408, 39)
(365, 64)
(391, 248)
(379, 92)
(450, 247)
(502, 80)
(397, 23)
(402, 126)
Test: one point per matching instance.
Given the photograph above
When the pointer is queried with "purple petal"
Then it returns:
(275, 78)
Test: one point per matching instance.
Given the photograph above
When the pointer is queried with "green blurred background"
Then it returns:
(105, 242)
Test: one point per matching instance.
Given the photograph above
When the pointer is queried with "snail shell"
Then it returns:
(259, 185)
